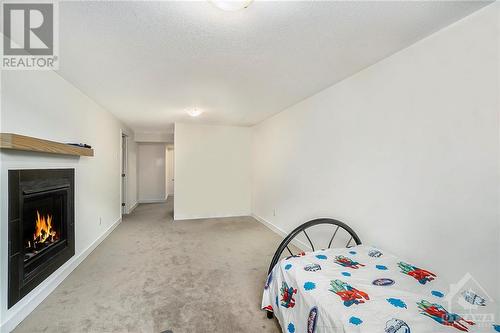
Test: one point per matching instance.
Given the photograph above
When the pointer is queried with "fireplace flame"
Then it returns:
(43, 229)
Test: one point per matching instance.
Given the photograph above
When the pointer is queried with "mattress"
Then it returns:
(364, 289)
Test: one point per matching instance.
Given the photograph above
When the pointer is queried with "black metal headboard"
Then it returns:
(302, 228)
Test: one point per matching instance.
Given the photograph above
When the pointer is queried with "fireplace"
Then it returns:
(41, 226)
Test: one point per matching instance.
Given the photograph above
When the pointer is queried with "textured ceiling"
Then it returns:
(148, 61)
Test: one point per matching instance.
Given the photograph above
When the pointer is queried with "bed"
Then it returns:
(358, 288)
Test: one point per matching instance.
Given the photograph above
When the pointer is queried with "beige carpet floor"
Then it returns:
(152, 274)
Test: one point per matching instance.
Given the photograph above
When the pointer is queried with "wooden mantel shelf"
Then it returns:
(28, 143)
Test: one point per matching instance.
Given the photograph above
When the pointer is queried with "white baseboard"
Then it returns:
(152, 201)
(26, 305)
(298, 243)
(132, 208)
(209, 216)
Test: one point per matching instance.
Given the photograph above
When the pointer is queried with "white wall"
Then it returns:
(42, 104)
(157, 137)
(212, 171)
(151, 172)
(406, 152)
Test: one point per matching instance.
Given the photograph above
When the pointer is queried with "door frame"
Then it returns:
(123, 172)
(170, 170)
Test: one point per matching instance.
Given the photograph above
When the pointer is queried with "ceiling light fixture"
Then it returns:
(194, 112)
(231, 5)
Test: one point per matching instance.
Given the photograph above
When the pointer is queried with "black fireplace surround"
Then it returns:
(41, 226)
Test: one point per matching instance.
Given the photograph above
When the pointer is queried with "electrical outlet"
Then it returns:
(100, 220)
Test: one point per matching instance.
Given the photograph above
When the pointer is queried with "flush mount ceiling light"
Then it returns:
(231, 5)
(194, 112)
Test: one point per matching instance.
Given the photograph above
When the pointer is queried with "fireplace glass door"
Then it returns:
(43, 226)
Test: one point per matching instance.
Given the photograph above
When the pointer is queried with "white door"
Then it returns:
(170, 171)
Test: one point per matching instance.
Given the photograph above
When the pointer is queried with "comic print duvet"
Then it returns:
(363, 289)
